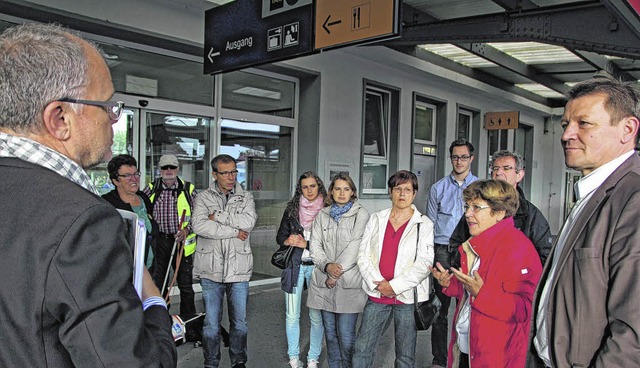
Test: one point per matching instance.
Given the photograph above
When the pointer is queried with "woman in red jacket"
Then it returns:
(495, 283)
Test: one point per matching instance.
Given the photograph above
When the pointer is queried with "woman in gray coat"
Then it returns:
(336, 284)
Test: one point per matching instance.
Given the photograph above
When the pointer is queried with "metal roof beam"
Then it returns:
(516, 4)
(602, 63)
(478, 74)
(508, 62)
(585, 26)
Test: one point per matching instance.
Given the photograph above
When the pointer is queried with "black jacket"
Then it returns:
(290, 225)
(527, 219)
(114, 198)
(68, 298)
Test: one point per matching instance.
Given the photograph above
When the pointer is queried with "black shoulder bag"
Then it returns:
(425, 313)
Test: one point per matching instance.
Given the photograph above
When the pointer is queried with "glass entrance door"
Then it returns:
(264, 155)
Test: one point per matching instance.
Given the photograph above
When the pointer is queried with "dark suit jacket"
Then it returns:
(67, 297)
(594, 304)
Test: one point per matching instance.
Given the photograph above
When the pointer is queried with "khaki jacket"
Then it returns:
(220, 255)
(333, 242)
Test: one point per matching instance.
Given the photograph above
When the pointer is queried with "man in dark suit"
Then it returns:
(68, 298)
(586, 311)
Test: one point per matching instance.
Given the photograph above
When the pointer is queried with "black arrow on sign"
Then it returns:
(327, 23)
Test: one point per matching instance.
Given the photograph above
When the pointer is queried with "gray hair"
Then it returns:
(515, 155)
(623, 98)
(38, 64)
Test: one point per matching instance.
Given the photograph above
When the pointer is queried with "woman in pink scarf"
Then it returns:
(295, 231)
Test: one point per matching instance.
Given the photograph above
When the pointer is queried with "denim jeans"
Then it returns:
(439, 330)
(340, 335)
(375, 320)
(237, 298)
(293, 302)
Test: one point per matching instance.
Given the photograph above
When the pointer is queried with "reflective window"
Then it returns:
(375, 143)
(122, 144)
(463, 128)
(264, 157)
(187, 137)
(257, 93)
(425, 127)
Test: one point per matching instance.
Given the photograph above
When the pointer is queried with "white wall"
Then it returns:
(342, 72)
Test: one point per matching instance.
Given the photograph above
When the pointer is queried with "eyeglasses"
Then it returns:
(504, 168)
(168, 167)
(474, 208)
(405, 191)
(460, 158)
(225, 174)
(113, 108)
(130, 176)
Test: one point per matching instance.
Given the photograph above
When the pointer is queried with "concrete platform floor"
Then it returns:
(267, 342)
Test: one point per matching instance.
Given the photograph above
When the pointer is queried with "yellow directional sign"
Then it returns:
(340, 22)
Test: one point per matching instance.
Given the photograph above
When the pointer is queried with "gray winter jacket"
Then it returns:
(337, 242)
(220, 255)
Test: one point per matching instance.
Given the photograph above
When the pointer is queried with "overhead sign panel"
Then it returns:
(498, 120)
(244, 33)
(341, 22)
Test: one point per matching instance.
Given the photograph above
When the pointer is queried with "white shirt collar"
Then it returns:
(594, 179)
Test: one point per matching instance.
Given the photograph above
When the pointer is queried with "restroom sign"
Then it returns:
(499, 120)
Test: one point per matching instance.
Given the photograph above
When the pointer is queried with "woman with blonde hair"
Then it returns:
(336, 285)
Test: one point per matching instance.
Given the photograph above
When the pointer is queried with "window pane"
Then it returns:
(375, 125)
(464, 126)
(186, 137)
(374, 176)
(147, 74)
(252, 92)
(264, 158)
(424, 123)
(122, 144)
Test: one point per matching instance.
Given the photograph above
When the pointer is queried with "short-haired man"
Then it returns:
(172, 200)
(223, 216)
(586, 306)
(509, 166)
(445, 208)
(68, 298)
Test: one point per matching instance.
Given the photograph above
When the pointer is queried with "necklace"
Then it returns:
(401, 216)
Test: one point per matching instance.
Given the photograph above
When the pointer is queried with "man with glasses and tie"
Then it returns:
(223, 217)
(509, 166)
(445, 209)
(68, 299)
(172, 200)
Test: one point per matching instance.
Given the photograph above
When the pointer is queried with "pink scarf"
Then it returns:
(308, 211)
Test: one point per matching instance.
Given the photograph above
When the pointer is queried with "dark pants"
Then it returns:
(164, 245)
(439, 330)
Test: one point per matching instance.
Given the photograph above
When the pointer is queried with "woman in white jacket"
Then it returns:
(395, 256)
(336, 285)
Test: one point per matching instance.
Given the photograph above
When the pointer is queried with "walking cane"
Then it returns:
(175, 245)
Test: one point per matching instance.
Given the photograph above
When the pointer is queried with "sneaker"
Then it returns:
(295, 363)
(312, 364)
(239, 365)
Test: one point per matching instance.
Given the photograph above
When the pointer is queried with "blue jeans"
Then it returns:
(293, 302)
(375, 320)
(237, 298)
(439, 330)
(340, 335)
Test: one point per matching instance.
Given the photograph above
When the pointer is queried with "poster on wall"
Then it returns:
(333, 168)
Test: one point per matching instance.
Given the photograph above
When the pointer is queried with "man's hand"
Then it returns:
(334, 270)
(212, 217)
(330, 282)
(384, 287)
(181, 235)
(243, 235)
(149, 288)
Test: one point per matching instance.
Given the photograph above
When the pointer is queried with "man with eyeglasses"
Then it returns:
(68, 299)
(223, 217)
(172, 200)
(509, 166)
(445, 209)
